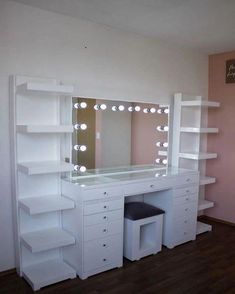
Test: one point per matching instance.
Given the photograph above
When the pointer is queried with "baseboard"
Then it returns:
(8, 272)
(217, 220)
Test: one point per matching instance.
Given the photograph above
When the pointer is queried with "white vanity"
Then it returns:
(97, 220)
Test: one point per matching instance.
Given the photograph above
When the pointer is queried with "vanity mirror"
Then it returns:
(111, 134)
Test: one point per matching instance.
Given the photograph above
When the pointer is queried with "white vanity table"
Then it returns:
(97, 220)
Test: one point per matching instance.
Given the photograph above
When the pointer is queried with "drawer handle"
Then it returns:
(104, 245)
(187, 198)
(105, 193)
(186, 209)
(105, 217)
(105, 206)
(104, 259)
(152, 186)
(187, 191)
(104, 230)
(185, 222)
(185, 233)
(188, 180)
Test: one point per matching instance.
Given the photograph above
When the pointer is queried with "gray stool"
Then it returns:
(142, 230)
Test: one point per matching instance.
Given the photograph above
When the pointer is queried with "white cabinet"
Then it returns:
(189, 142)
(40, 131)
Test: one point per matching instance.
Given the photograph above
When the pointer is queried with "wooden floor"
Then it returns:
(206, 265)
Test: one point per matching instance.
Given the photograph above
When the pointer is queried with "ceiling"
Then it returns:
(205, 25)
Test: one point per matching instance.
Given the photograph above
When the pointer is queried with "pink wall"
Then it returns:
(223, 191)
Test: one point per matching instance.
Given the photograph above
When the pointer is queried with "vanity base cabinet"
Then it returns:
(97, 224)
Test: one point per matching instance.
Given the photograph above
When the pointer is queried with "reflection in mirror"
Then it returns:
(117, 133)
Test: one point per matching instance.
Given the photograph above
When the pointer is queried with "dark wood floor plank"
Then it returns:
(206, 265)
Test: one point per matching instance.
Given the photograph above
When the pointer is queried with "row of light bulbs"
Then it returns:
(137, 108)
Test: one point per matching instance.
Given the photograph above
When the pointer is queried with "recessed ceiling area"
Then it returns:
(205, 25)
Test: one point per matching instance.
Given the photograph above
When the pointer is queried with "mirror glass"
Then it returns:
(110, 134)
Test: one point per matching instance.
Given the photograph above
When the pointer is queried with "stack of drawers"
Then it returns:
(185, 203)
(102, 230)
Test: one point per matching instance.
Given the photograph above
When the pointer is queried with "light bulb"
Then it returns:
(152, 110)
(100, 107)
(114, 108)
(80, 105)
(161, 161)
(130, 108)
(103, 106)
(80, 168)
(162, 144)
(80, 147)
(80, 127)
(163, 110)
(137, 108)
(157, 175)
(146, 110)
(121, 107)
(163, 128)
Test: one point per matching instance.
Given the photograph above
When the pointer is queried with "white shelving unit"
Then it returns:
(189, 142)
(40, 138)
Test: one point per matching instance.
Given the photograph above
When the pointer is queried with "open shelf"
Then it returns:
(199, 130)
(46, 273)
(44, 128)
(43, 88)
(202, 228)
(44, 167)
(204, 204)
(46, 239)
(198, 156)
(201, 103)
(207, 180)
(43, 204)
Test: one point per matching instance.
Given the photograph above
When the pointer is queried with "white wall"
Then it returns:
(103, 62)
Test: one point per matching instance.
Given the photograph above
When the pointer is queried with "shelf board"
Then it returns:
(44, 128)
(43, 204)
(43, 88)
(207, 180)
(204, 204)
(44, 167)
(199, 130)
(46, 239)
(202, 103)
(197, 156)
(46, 273)
(202, 228)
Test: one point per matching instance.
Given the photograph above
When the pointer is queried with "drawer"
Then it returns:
(103, 252)
(147, 187)
(187, 179)
(103, 206)
(103, 193)
(185, 199)
(185, 210)
(100, 218)
(103, 230)
(184, 232)
(186, 191)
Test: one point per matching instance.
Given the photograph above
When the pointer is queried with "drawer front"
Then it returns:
(102, 252)
(103, 206)
(186, 210)
(184, 232)
(100, 218)
(186, 191)
(146, 187)
(103, 230)
(94, 194)
(185, 199)
(187, 179)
